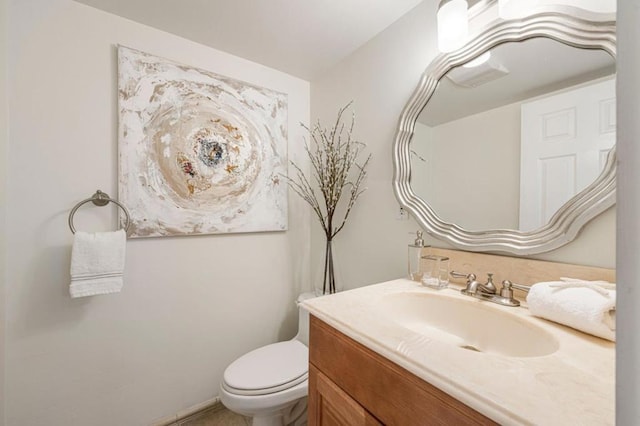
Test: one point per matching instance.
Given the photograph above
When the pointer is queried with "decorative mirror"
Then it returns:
(508, 144)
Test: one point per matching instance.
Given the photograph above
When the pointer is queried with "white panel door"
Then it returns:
(565, 139)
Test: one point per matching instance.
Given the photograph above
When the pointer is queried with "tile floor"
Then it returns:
(215, 416)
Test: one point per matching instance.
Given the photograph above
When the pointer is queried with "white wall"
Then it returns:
(190, 305)
(3, 190)
(161, 345)
(380, 78)
(628, 107)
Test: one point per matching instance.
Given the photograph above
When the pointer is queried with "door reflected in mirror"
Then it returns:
(506, 143)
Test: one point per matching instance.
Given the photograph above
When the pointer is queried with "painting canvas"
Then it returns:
(199, 153)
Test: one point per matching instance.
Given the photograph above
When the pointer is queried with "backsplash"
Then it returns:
(517, 269)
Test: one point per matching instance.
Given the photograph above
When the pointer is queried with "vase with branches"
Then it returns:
(336, 179)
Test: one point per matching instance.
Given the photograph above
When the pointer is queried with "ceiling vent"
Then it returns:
(478, 75)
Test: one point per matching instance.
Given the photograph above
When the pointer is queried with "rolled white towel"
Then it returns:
(588, 306)
(97, 263)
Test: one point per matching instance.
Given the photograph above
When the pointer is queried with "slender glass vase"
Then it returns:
(328, 279)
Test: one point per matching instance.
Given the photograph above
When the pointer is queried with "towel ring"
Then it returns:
(99, 199)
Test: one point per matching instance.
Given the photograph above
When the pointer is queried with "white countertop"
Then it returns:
(574, 385)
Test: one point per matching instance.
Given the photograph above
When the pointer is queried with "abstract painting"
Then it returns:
(199, 153)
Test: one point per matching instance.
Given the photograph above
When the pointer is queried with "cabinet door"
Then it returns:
(331, 406)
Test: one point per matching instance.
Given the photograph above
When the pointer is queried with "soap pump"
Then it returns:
(415, 255)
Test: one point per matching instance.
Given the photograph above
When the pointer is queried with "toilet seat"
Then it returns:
(269, 369)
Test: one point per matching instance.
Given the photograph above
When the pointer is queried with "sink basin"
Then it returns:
(468, 324)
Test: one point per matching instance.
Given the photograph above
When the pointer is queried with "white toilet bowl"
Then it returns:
(270, 384)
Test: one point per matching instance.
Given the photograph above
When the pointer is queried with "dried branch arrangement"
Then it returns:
(336, 175)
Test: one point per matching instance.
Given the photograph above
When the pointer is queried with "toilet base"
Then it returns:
(267, 421)
(293, 415)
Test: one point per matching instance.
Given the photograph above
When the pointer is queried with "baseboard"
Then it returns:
(191, 413)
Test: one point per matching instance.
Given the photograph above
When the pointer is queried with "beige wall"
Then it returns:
(190, 305)
(4, 131)
(380, 78)
(476, 185)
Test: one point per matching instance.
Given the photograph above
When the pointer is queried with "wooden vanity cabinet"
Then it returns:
(350, 385)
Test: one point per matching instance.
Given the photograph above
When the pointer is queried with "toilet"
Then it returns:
(270, 384)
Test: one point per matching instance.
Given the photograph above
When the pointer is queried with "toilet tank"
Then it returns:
(303, 318)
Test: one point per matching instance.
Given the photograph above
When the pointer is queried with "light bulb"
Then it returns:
(504, 7)
(453, 24)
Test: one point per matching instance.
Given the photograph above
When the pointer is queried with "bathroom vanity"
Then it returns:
(340, 367)
(375, 358)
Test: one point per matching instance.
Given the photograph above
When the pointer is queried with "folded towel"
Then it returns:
(588, 306)
(97, 263)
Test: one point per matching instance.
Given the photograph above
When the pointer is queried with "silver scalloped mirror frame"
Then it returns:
(567, 222)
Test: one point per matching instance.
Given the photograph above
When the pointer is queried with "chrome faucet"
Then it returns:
(488, 291)
(474, 287)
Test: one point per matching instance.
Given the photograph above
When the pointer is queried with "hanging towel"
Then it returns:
(97, 263)
(588, 306)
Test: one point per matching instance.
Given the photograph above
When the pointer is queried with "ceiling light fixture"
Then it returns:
(509, 9)
(453, 24)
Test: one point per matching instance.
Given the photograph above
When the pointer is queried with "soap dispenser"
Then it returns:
(415, 255)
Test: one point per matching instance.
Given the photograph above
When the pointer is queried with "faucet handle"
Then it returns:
(511, 286)
(506, 293)
(469, 277)
(506, 290)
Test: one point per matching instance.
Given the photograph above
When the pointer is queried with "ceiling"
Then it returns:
(301, 38)
(535, 67)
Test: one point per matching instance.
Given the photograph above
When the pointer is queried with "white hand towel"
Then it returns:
(97, 263)
(588, 306)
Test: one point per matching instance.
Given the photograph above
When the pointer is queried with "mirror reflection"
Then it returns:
(508, 138)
